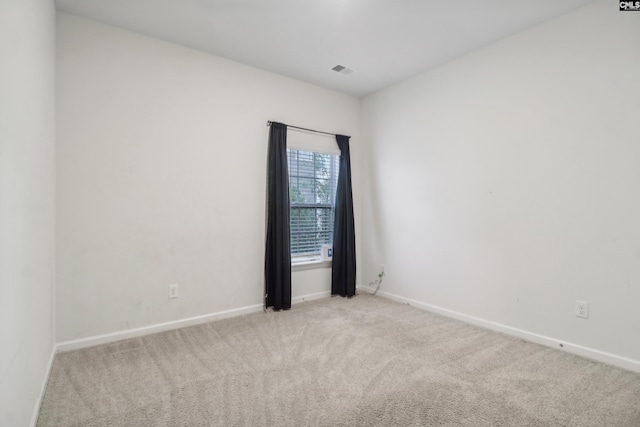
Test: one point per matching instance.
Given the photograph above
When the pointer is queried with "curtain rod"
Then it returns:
(308, 130)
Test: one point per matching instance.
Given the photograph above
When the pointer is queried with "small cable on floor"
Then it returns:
(377, 282)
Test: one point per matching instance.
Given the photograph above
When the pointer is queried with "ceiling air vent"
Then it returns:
(342, 69)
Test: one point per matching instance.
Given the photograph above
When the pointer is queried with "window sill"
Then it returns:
(308, 263)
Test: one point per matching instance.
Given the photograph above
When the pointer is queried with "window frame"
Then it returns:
(303, 261)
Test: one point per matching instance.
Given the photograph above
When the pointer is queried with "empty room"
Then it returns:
(319, 213)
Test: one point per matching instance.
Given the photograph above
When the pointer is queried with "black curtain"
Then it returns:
(343, 274)
(277, 262)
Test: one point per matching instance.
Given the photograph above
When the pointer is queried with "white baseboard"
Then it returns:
(310, 297)
(590, 353)
(367, 288)
(43, 387)
(152, 329)
(167, 326)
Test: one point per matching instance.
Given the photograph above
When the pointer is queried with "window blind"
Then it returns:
(313, 178)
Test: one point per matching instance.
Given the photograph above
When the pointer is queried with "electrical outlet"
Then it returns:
(173, 291)
(582, 309)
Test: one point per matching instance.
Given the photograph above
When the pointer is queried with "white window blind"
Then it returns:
(313, 179)
(317, 143)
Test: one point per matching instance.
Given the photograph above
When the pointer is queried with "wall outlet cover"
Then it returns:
(582, 309)
(173, 291)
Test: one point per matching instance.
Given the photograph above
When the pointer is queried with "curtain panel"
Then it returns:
(343, 274)
(277, 268)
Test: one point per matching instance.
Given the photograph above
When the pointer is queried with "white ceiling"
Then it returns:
(383, 41)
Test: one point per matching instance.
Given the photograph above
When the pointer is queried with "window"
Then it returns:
(313, 178)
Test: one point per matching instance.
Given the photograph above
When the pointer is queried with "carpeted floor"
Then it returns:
(365, 361)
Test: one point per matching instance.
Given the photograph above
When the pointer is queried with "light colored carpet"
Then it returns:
(365, 361)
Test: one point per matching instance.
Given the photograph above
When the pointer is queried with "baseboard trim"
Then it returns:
(43, 387)
(589, 353)
(367, 288)
(310, 297)
(152, 329)
(175, 324)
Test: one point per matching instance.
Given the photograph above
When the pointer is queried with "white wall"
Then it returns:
(505, 185)
(27, 204)
(161, 177)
